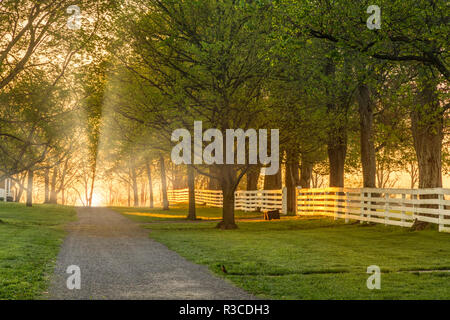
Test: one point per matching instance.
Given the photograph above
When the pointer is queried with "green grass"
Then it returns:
(178, 212)
(29, 242)
(316, 258)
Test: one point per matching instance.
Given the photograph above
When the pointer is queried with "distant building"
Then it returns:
(5, 190)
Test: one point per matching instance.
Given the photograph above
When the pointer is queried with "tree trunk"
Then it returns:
(53, 194)
(150, 184)
(191, 186)
(252, 178)
(129, 194)
(134, 184)
(336, 155)
(61, 188)
(292, 180)
(368, 160)
(337, 134)
(413, 172)
(30, 188)
(178, 178)
(143, 195)
(20, 192)
(306, 169)
(214, 184)
(427, 130)
(228, 184)
(91, 191)
(337, 150)
(163, 183)
(273, 182)
(46, 185)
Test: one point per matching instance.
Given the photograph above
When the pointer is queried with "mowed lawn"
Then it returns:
(29, 243)
(179, 213)
(316, 258)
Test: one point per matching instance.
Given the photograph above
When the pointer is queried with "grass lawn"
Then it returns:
(179, 212)
(29, 242)
(316, 258)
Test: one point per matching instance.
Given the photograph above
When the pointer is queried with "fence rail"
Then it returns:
(264, 200)
(400, 207)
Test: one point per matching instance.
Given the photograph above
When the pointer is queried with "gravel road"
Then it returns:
(118, 260)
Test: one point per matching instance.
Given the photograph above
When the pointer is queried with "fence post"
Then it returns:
(362, 207)
(369, 205)
(403, 209)
(335, 209)
(441, 211)
(6, 191)
(284, 201)
(386, 208)
(414, 196)
(346, 206)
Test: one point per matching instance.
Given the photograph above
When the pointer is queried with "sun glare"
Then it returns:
(97, 200)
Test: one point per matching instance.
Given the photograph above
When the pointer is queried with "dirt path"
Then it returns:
(118, 260)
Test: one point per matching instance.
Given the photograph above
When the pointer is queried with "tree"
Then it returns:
(94, 88)
(344, 25)
(208, 62)
(33, 125)
(31, 30)
(36, 51)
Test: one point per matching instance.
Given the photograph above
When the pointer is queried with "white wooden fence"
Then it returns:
(179, 195)
(212, 198)
(398, 207)
(389, 206)
(264, 200)
(4, 195)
